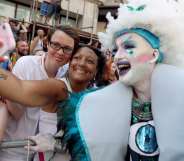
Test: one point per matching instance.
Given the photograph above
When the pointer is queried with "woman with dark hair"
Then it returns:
(85, 66)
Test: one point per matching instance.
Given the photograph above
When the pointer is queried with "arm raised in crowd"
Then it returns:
(31, 93)
(33, 44)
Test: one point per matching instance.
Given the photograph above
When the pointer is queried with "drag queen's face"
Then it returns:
(133, 58)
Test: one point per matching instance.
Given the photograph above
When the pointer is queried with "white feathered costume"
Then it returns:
(104, 115)
(98, 129)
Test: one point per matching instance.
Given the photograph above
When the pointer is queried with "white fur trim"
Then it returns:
(164, 18)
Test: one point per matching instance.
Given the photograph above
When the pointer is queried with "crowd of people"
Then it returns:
(58, 55)
(39, 46)
(68, 100)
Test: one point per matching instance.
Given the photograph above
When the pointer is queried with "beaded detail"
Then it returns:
(142, 139)
(141, 111)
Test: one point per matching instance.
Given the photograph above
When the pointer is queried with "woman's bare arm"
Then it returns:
(33, 44)
(31, 93)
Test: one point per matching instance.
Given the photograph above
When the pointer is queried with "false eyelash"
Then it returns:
(129, 46)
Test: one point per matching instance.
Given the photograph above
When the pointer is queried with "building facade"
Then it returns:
(82, 14)
(113, 2)
(108, 6)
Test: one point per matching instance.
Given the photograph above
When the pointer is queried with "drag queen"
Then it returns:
(140, 117)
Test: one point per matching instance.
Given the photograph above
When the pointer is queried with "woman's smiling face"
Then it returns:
(132, 58)
(83, 66)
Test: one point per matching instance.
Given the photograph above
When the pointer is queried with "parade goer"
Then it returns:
(37, 42)
(52, 64)
(22, 48)
(117, 121)
(48, 8)
(84, 66)
(140, 117)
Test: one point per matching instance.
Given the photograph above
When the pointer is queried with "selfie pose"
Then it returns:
(140, 117)
(86, 64)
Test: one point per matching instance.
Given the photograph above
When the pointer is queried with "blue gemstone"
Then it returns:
(146, 139)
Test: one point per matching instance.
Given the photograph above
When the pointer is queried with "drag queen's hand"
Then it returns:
(44, 142)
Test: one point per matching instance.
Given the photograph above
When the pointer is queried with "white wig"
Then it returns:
(163, 18)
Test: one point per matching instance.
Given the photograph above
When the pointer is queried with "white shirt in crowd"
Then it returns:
(27, 68)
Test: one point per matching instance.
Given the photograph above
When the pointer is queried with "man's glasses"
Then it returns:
(56, 46)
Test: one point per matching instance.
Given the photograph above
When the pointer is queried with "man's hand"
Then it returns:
(45, 142)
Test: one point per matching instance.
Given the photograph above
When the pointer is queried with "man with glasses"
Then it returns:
(53, 64)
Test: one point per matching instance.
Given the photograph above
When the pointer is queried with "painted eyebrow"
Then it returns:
(127, 40)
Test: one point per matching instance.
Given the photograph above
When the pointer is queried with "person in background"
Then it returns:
(15, 28)
(46, 42)
(47, 9)
(57, 11)
(22, 35)
(37, 42)
(110, 74)
(22, 49)
(13, 59)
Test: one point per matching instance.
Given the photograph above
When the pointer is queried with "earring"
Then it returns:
(156, 55)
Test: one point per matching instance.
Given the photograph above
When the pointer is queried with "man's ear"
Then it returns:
(155, 56)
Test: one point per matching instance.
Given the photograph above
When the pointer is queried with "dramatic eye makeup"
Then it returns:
(126, 43)
(129, 45)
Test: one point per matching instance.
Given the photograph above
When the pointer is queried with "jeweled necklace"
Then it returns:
(141, 111)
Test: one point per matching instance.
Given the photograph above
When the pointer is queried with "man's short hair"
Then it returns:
(19, 41)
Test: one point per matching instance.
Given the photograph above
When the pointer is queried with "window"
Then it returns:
(7, 9)
(23, 12)
(71, 22)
